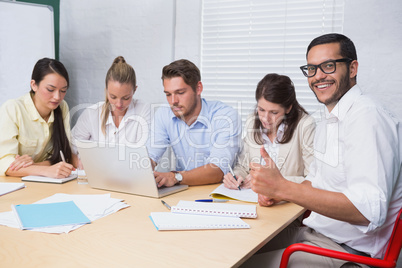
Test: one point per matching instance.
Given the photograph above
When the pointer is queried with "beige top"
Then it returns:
(294, 157)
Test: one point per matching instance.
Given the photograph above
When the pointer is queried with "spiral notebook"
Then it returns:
(215, 209)
(167, 221)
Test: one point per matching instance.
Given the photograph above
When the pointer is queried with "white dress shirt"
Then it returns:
(357, 153)
(133, 129)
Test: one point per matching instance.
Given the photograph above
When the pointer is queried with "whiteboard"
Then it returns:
(26, 35)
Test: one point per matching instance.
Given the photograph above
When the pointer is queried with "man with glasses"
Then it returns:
(354, 189)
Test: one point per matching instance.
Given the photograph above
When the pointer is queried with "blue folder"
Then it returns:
(50, 214)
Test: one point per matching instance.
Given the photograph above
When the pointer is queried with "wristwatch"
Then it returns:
(177, 176)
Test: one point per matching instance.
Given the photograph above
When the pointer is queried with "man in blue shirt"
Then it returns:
(204, 135)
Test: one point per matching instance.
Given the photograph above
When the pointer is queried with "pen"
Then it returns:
(211, 200)
(165, 204)
(234, 176)
(62, 156)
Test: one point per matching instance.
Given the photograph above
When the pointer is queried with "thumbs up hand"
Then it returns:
(266, 179)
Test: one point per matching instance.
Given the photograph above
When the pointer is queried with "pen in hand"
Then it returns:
(234, 176)
(62, 156)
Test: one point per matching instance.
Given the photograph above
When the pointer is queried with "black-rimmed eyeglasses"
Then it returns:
(327, 67)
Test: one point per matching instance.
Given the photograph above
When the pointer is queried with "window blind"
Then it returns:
(242, 41)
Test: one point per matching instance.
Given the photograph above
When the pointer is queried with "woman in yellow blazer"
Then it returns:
(283, 127)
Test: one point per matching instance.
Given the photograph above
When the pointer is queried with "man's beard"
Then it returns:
(344, 86)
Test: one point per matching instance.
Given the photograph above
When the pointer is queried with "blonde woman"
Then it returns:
(120, 118)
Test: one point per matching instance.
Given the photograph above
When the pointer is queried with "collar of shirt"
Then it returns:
(279, 135)
(202, 118)
(344, 104)
(130, 115)
(33, 112)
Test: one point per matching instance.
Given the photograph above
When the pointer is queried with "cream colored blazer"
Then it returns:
(294, 157)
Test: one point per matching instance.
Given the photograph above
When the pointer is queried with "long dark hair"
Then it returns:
(278, 89)
(59, 138)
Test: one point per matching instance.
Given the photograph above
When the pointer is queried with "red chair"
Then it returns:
(390, 257)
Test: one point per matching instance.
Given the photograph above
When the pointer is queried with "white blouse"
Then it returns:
(134, 129)
(272, 148)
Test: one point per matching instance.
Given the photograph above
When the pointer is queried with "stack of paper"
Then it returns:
(167, 221)
(189, 215)
(49, 214)
(8, 187)
(92, 206)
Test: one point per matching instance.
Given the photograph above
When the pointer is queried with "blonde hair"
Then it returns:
(121, 72)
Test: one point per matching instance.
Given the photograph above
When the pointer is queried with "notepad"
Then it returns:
(247, 195)
(215, 209)
(49, 179)
(49, 214)
(165, 221)
(8, 187)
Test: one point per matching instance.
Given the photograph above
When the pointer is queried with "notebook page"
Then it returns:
(247, 195)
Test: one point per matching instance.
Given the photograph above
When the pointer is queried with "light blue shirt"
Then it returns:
(213, 138)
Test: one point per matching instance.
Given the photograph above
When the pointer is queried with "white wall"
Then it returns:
(376, 29)
(151, 34)
(188, 31)
(93, 33)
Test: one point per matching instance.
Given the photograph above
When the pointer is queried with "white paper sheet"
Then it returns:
(93, 206)
(8, 187)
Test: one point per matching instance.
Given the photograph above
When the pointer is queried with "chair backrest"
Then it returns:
(395, 242)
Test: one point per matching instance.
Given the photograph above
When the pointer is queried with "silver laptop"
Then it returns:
(121, 168)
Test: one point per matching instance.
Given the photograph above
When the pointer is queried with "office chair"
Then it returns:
(389, 260)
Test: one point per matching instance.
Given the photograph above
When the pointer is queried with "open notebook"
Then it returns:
(247, 195)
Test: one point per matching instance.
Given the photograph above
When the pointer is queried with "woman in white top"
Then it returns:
(285, 130)
(120, 118)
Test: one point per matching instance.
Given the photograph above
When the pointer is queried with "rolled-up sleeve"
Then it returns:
(373, 164)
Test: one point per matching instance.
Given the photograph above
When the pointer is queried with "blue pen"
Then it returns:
(234, 176)
(211, 200)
